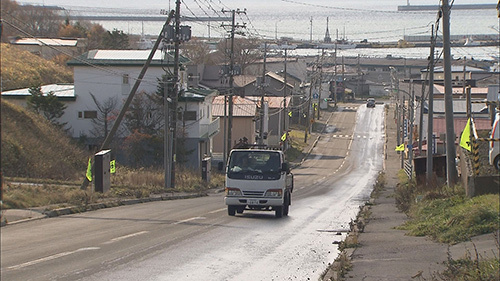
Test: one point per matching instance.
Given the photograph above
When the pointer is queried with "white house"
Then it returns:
(108, 75)
(64, 93)
(111, 74)
(197, 124)
(51, 47)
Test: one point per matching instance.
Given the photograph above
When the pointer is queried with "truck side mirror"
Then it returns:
(284, 167)
(220, 166)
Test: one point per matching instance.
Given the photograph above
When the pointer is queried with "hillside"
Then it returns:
(21, 69)
(33, 148)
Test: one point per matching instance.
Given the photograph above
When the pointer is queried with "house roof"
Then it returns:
(197, 94)
(273, 102)
(241, 81)
(241, 107)
(123, 58)
(46, 41)
(62, 91)
(279, 78)
(457, 68)
(439, 89)
(246, 106)
(459, 106)
(439, 125)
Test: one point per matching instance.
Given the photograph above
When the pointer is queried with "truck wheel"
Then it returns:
(496, 162)
(286, 209)
(279, 211)
(231, 210)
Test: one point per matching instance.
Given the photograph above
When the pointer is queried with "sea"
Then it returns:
(305, 20)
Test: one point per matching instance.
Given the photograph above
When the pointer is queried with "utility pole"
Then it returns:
(403, 136)
(309, 120)
(465, 76)
(451, 171)
(320, 81)
(395, 88)
(411, 107)
(232, 32)
(343, 80)
(285, 113)
(421, 120)
(175, 93)
(335, 73)
(263, 90)
(358, 90)
(430, 115)
(311, 34)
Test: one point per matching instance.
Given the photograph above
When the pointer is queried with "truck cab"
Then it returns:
(258, 179)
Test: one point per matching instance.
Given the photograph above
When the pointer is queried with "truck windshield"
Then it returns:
(243, 163)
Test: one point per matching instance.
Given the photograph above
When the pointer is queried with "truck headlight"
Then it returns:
(233, 191)
(274, 193)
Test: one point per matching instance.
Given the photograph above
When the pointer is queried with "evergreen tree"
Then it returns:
(116, 40)
(46, 105)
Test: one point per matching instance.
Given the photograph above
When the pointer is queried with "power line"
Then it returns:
(350, 9)
(77, 58)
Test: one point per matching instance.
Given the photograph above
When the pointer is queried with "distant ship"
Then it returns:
(409, 7)
(339, 44)
(469, 42)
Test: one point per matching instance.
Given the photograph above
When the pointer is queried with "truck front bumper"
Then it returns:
(251, 201)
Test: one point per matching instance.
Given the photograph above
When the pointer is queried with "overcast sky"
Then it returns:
(161, 4)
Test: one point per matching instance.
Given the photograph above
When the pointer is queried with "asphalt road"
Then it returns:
(195, 239)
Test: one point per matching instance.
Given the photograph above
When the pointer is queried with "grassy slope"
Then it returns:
(33, 148)
(21, 69)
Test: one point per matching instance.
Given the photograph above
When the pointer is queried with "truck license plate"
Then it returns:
(253, 201)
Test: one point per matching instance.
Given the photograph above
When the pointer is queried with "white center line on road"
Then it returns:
(125, 237)
(216, 211)
(190, 219)
(53, 257)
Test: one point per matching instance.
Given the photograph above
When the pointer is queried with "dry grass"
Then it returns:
(21, 69)
(153, 180)
(297, 145)
(33, 148)
(126, 184)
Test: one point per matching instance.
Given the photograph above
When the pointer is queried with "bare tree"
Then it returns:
(106, 114)
(245, 51)
(145, 114)
(24, 20)
(198, 52)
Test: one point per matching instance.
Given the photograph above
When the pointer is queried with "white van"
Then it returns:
(495, 145)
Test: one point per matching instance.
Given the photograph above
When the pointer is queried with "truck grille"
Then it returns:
(253, 193)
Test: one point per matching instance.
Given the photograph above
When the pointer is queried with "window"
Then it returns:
(188, 115)
(87, 114)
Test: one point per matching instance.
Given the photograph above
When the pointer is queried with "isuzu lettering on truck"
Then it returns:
(258, 179)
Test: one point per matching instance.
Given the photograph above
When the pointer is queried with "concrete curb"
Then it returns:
(91, 207)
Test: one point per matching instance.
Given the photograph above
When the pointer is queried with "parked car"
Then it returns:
(494, 155)
(370, 102)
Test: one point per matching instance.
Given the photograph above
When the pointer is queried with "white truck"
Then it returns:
(258, 179)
